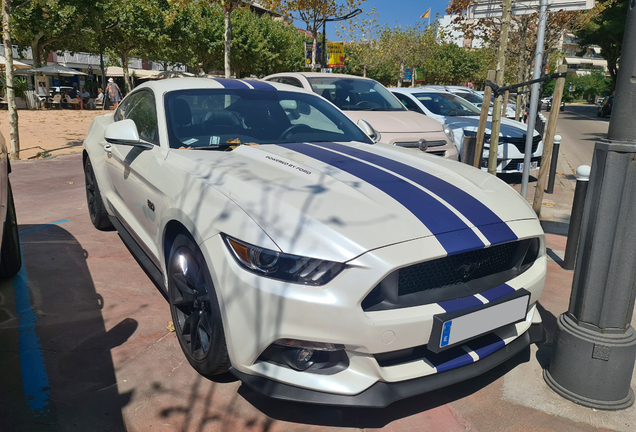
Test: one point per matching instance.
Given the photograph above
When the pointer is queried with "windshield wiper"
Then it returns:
(212, 147)
(379, 109)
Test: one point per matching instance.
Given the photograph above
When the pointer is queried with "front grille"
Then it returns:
(520, 143)
(453, 276)
(437, 153)
(452, 270)
(407, 144)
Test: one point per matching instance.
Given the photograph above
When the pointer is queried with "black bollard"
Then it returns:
(574, 230)
(553, 163)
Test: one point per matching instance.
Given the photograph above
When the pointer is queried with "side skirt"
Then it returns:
(148, 266)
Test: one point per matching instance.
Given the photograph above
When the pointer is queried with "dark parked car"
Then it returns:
(549, 105)
(605, 109)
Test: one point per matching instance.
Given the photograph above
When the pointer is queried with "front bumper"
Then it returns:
(382, 394)
(258, 311)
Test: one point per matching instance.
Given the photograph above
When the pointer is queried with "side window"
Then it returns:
(290, 81)
(120, 114)
(408, 103)
(275, 79)
(141, 109)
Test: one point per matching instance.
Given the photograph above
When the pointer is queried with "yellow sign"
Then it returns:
(336, 54)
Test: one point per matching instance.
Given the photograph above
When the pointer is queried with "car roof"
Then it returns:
(172, 84)
(411, 90)
(318, 75)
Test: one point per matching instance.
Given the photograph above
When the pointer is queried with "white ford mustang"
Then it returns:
(313, 264)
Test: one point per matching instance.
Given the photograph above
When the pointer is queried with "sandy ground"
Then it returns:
(54, 132)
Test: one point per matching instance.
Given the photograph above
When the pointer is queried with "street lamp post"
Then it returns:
(350, 15)
(595, 346)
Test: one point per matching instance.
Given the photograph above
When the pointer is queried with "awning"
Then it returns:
(599, 62)
(572, 60)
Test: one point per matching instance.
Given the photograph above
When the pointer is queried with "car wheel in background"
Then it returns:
(96, 209)
(195, 309)
(10, 256)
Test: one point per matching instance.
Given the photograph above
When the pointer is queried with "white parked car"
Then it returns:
(463, 119)
(365, 99)
(313, 264)
(10, 253)
(477, 99)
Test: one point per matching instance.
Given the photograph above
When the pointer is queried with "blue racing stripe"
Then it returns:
(486, 345)
(433, 214)
(229, 83)
(474, 210)
(260, 85)
(451, 359)
(497, 292)
(460, 303)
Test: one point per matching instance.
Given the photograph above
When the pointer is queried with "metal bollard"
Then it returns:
(553, 163)
(574, 231)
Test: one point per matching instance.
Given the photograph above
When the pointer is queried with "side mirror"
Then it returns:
(368, 129)
(124, 132)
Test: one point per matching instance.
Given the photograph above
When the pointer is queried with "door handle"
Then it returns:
(108, 148)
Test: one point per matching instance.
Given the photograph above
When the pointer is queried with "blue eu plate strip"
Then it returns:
(446, 330)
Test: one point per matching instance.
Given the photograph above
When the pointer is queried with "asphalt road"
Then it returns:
(580, 129)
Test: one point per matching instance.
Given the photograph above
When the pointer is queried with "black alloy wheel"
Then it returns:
(96, 209)
(195, 310)
(10, 255)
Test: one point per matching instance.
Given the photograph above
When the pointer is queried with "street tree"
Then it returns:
(314, 14)
(361, 35)
(605, 28)
(14, 136)
(48, 25)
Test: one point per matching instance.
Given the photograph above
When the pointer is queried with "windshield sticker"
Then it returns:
(214, 140)
(190, 141)
(292, 166)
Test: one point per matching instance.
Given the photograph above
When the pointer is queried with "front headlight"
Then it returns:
(449, 133)
(284, 267)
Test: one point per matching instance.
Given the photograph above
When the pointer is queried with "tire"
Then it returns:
(10, 255)
(96, 209)
(195, 310)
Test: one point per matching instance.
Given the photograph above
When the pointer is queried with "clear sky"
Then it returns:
(404, 12)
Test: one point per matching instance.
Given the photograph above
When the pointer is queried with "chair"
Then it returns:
(71, 102)
(57, 101)
(98, 103)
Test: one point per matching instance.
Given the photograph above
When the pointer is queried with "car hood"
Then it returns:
(396, 121)
(509, 128)
(321, 200)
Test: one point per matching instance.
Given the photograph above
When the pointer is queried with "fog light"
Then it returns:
(303, 356)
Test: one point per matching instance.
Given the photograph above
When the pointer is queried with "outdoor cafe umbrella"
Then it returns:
(56, 69)
(16, 64)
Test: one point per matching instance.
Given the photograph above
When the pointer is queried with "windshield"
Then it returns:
(354, 94)
(473, 98)
(219, 118)
(447, 104)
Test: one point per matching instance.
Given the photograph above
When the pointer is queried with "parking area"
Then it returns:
(85, 345)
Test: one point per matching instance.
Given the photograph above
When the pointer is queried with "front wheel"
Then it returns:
(195, 310)
(11, 255)
(96, 209)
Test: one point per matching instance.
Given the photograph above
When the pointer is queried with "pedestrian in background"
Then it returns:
(112, 89)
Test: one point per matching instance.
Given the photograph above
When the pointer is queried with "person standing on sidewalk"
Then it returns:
(113, 92)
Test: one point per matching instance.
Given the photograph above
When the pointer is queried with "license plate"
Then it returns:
(469, 326)
(533, 166)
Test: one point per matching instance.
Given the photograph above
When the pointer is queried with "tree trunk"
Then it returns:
(613, 70)
(364, 71)
(8, 52)
(227, 11)
(314, 50)
(124, 66)
(36, 50)
(520, 70)
(402, 64)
